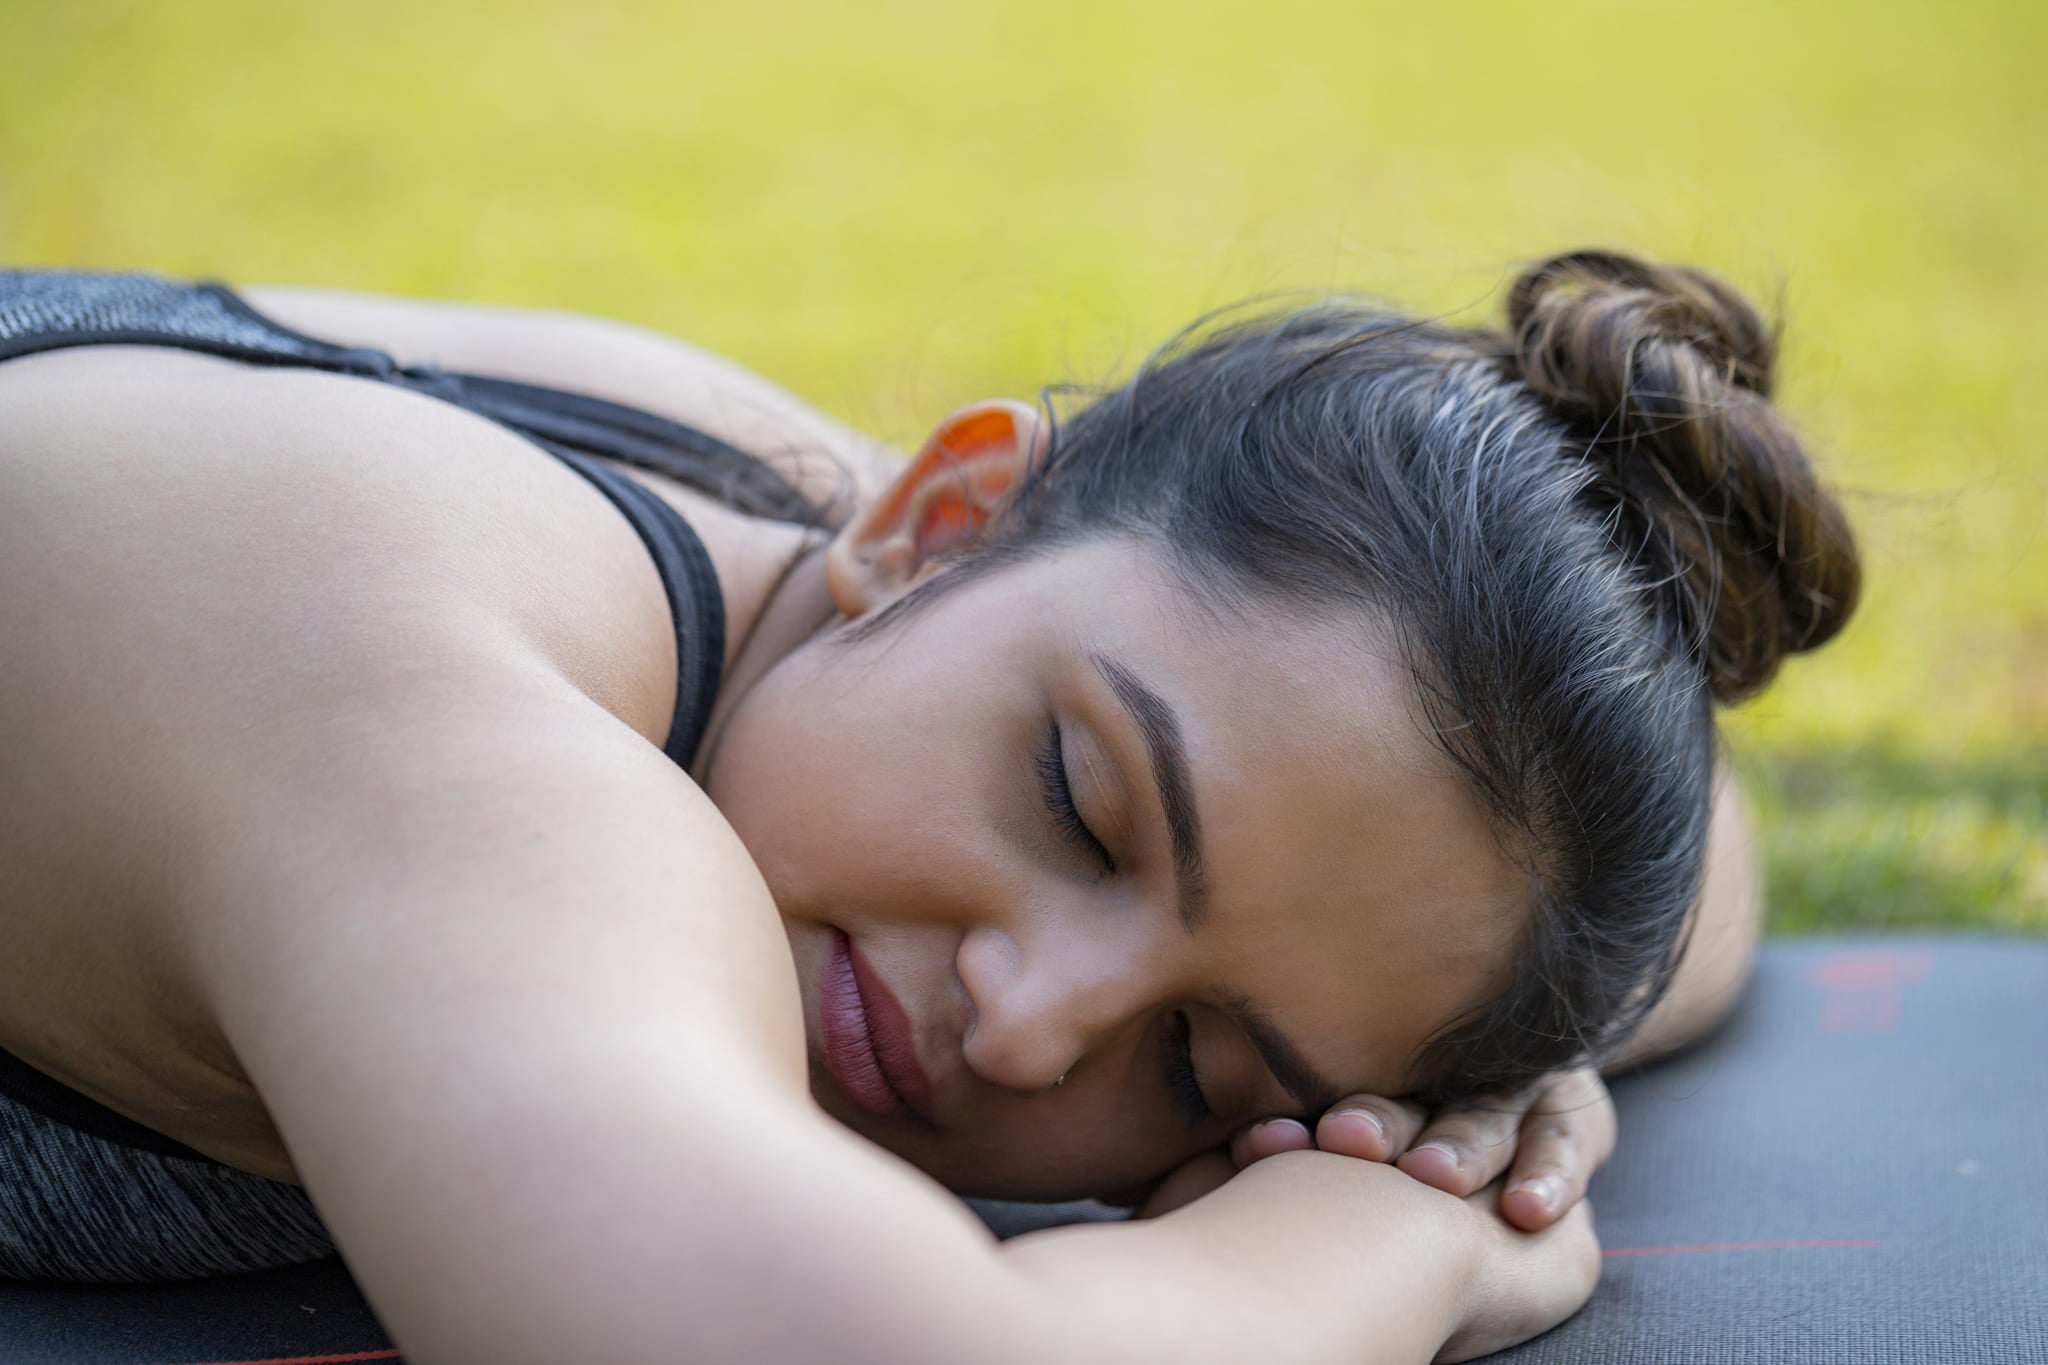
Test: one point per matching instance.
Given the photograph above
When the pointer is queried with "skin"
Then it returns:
(1343, 855)
(258, 956)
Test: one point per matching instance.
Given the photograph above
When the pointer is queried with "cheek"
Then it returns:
(782, 778)
(875, 812)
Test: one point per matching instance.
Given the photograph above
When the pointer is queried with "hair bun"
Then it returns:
(1665, 373)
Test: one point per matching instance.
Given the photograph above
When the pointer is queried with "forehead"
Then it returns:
(1357, 890)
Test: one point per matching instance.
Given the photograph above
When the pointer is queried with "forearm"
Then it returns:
(777, 1240)
(1724, 938)
(1305, 1258)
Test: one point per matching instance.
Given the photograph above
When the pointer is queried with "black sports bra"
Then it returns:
(44, 310)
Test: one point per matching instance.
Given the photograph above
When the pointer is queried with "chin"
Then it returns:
(1052, 1190)
(968, 1175)
(972, 1177)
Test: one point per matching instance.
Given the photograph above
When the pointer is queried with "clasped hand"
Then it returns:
(1521, 1161)
(1546, 1141)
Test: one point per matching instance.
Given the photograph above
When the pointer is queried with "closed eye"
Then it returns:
(1059, 800)
(1181, 1082)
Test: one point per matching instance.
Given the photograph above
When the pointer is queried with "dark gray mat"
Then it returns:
(1853, 1170)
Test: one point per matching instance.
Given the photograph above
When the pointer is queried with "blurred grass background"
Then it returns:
(895, 207)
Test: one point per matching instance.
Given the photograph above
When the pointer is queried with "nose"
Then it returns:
(1053, 990)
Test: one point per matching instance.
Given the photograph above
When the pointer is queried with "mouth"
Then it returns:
(867, 1037)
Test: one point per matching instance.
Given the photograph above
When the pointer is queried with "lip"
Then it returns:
(867, 1038)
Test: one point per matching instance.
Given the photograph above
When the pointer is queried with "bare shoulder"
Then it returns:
(606, 358)
(167, 499)
(242, 604)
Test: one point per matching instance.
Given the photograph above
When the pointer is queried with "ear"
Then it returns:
(936, 506)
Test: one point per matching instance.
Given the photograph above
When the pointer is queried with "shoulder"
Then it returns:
(225, 589)
(606, 358)
(219, 523)
(354, 698)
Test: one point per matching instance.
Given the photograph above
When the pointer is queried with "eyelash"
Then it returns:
(1181, 1081)
(1182, 1085)
(1059, 799)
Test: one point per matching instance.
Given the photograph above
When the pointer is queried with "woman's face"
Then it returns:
(1208, 867)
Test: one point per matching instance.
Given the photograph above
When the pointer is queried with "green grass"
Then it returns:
(902, 205)
(1882, 838)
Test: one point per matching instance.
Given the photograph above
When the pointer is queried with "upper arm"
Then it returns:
(523, 1013)
(606, 358)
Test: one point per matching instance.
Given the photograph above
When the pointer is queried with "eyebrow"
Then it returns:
(1160, 729)
(1313, 1093)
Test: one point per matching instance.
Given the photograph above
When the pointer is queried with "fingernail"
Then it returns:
(1379, 1129)
(1450, 1152)
(1544, 1189)
(1276, 1127)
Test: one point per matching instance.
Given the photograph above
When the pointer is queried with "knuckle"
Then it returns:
(1500, 1125)
(1408, 1112)
(1482, 1115)
(1585, 1081)
(1456, 1138)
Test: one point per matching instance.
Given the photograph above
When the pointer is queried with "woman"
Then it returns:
(1326, 713)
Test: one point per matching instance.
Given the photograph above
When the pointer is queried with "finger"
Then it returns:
(1370, 1127)
(1269, 1138)
(1467, 1146)
(1566, 1135)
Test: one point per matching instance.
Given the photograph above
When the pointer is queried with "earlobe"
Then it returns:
(939, 505)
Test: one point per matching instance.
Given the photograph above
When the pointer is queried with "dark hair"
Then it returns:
(1584, 532)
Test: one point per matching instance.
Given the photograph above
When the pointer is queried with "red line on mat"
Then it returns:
(315, 1360)
(1714, 1246)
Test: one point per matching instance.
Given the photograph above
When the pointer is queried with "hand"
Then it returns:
(1549, 1139)
(1520, 1285)
(1525, 1283)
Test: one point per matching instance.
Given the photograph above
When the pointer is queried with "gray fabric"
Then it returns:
(1852, 1171)
(97, 307)
(78, 1207)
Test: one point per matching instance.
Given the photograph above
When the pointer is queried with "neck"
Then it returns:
(797, 607)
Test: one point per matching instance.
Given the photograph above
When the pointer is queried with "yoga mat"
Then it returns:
(1854, 1169)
